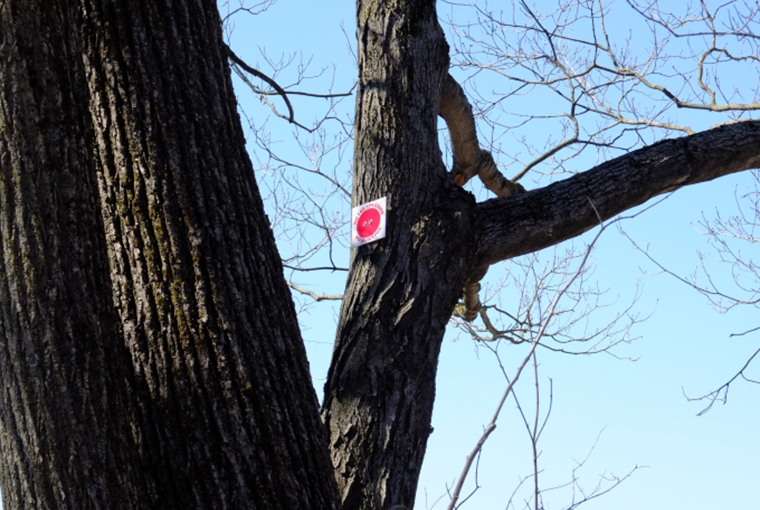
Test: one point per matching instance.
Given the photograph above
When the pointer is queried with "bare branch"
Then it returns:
(534, 220)
(315, 296)
(325, 268)
(239, 64)
(721, 394)
(253, 10)
(534, 343)
(258, 74)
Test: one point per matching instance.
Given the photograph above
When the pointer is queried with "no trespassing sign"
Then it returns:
(368, 222)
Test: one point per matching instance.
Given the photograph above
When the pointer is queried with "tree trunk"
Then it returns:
(401, 290)
(67, 407)
(151, 356)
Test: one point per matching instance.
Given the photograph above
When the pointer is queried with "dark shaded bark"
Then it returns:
(197, 279)
(151, 356)
(67, 407)
(401, 290)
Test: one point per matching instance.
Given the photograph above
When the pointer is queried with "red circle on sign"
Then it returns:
(368, 223)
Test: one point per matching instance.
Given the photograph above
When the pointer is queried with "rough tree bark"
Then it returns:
(560, 211)
(151, 356)
(67, 404)
(400, 292)
(402, 289)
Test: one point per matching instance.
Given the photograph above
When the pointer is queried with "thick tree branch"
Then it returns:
(470, 160)
(531, 221)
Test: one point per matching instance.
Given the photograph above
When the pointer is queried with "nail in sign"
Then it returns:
(368, 222)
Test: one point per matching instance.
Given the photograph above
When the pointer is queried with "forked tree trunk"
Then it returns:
(150, 355)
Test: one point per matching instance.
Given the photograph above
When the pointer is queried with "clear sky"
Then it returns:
(616, 413)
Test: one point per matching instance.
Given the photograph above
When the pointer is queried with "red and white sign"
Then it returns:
(368, 222)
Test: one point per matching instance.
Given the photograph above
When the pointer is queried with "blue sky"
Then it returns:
(631, 413)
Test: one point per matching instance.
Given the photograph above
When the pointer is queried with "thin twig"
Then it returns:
(314, 295)
(534, 343)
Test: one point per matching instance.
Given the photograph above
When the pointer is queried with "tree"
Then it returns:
(383, 367)
(143, 308)
(151, 355)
